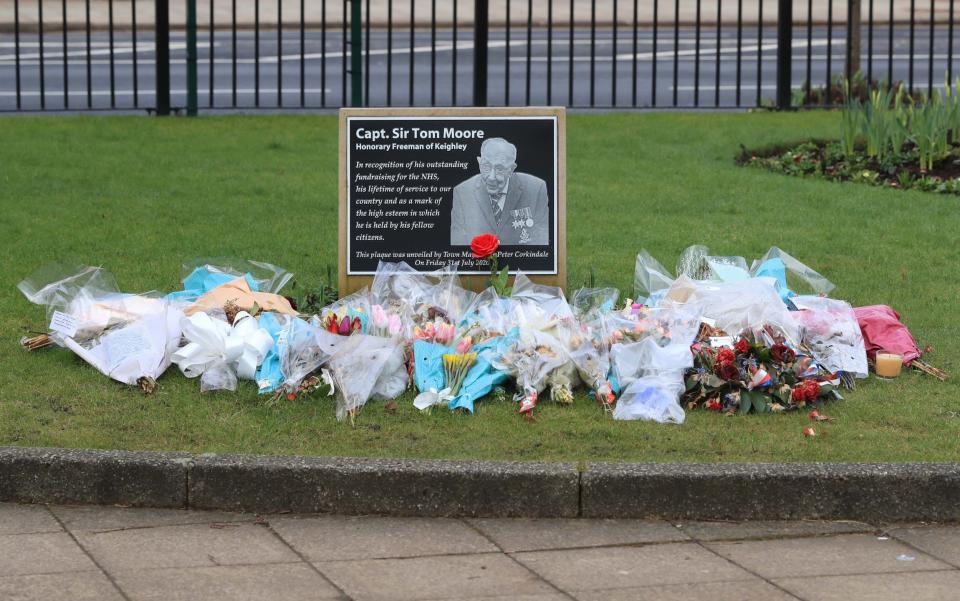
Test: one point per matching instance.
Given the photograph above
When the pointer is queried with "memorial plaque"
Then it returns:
(417, 185)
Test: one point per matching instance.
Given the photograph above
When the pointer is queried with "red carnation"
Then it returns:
(782, 353)
(728, 371)
(742, 346)
(714, 405)
(726, 356)
(484, 245)
(811, 389)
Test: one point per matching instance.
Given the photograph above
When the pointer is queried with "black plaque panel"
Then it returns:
(403, 173)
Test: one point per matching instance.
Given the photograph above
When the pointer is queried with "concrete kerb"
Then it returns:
(266, 484)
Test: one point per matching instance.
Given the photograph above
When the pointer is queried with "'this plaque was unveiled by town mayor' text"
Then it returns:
(417, 185)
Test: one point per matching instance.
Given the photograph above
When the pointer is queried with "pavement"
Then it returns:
(423, 12)
(57, 552)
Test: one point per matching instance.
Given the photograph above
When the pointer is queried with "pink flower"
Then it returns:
(464, 345)
(393, 324)
(379, 316)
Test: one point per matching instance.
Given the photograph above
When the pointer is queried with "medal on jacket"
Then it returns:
(522, 219)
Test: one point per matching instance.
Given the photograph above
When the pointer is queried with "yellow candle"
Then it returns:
(889, 365)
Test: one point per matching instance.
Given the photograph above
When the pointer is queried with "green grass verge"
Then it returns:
(141, 195)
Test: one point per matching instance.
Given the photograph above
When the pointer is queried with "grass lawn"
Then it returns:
(140, 195)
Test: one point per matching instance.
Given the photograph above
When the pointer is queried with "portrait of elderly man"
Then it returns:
(499, 200)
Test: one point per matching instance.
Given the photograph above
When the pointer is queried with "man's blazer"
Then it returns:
(525, 218)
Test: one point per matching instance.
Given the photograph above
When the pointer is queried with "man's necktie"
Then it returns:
(496, 206)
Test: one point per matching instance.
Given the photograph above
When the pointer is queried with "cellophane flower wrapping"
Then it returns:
(357, 367)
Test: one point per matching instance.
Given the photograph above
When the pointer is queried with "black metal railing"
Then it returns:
(188, 55)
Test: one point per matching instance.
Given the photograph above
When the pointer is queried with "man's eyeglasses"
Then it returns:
(486, 168)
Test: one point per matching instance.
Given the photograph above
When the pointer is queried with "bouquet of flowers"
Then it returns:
(747, 374)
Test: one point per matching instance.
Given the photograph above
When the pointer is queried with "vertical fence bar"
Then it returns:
(16, 51)
(809, 75)
(323, 53)
(162, 56)
(716, 73)
(760, 53)
(930, 54)
(570, 62)
(343, 55)
(43, 90)
(191, 58)
(433, 52)
(136, 77)
(529, 47)
(389, 52)
(676, 49)
(481, 33)
(412, 39)
(913, 7)
(63, 32)
(653, 63)
(633, 95)
(256, 53)
(89, 59)
(870, 42)
(739, 49)
(593, 50)
(280, 53)
(890, 45)
(613, 56)
(210, 53)
(366, 58)
(506, 60)
(950, 45)
(233, 53)
(113, 78)
(784, 53)
(696, 57)
(303, 57)
(550, 53)
(453, 59)
(829, 82)
(356, 54)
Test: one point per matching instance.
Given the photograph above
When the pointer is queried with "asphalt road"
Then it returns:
(434, 77)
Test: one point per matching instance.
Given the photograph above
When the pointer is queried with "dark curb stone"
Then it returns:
(866, 492)
(383, 486)
(38, 475)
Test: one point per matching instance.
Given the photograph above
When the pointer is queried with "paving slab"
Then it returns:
(744, 590)
(544, 597)
(624, 567)
(277, 582)
(98, 518)
(915, 586)
(24, 519)
(709, 531)
(335, 537)
(195, 545)
(46, 553)
(523, 534)
(835, 555)
(942, 542)
(486, 575)
(74, 586)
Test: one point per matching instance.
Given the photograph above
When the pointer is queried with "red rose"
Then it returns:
(742, 346)
(796, 395)
(726, 356)
(484, 245)
(782, 353)
(728, 372)
(714, 405)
